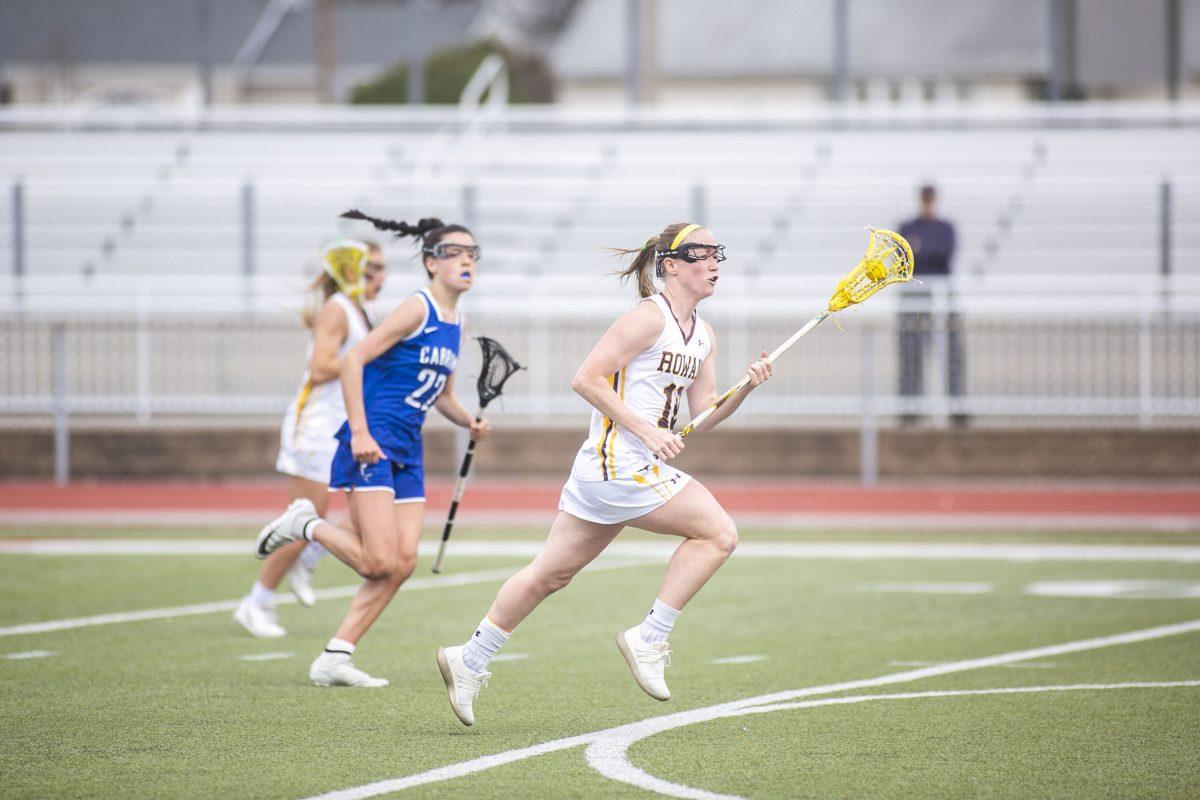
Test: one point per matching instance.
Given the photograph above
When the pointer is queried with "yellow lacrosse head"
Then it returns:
(345, 261)
(888, 260)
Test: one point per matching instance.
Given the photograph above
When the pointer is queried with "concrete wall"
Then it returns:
(906, 453)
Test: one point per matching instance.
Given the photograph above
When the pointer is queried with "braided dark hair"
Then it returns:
(429, 230)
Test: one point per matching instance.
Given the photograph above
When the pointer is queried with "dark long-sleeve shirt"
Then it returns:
(932, 243)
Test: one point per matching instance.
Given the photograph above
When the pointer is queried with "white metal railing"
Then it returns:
(1040, 366)
(1139, 363)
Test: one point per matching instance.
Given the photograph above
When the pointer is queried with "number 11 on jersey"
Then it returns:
(670, 412)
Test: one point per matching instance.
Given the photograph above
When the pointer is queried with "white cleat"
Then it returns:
(335, 669)
(300, 582)
(462, 682)
(287, 527)
(259, 620)
(647, 662)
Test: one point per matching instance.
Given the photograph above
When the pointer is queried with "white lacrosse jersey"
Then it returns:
(652, 384)
(318, 410)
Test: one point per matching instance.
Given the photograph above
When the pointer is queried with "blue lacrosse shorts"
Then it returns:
(406, 482)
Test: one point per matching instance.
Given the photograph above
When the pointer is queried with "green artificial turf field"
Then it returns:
(169, 707)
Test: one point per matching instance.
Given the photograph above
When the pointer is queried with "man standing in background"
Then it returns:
(933, 241)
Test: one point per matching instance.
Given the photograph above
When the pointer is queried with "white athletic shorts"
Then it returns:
(305, 456)
(622, 499)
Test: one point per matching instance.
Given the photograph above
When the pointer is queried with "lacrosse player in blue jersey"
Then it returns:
(404, 367)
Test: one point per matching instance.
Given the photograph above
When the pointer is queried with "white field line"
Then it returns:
(661, 549)
(627, 773)
(738, 660)
(1118, 589)
(414, 584)
(1178, 523)
(1025, 665)
(606, 745)
(30, 654)
(927, 588)
(266, 657)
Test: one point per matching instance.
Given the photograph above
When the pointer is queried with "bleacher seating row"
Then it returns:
(1026, 201)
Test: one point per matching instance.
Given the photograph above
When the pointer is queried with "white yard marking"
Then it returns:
(266, 657)
(415, 584)
(945, 521)
(660, 549)
(30, 654)
(927, 588)
(606, 748)
(1025, 665)
(651, 783)
(738, 660)
(1124, 590)
(510, 657)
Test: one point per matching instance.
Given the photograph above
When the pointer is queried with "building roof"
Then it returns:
(75, 32)
(718, 38)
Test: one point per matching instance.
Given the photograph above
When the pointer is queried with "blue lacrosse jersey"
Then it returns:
(402, 384)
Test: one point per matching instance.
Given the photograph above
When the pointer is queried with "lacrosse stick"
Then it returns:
(498, 367)
(888, 260)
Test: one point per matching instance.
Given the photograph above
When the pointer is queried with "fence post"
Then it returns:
(868, 439)
(248, 228)
(940, 317)
(248, 241)
(1145, 364)
(699, 204)
(539, 372)
(1164, 228)
(841, 50)
(143, 355)
(62, 427)
(18, 239)
(469, 208)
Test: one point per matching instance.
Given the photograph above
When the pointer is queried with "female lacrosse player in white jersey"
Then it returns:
(353, 274)
(635, 379)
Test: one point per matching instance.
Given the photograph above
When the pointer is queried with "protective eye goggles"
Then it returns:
(444, 250)
(693, 252)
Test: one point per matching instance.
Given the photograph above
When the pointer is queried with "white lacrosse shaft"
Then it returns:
(690, 428)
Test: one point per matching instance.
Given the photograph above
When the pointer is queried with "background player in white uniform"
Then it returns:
(634, 379)
(354, 274)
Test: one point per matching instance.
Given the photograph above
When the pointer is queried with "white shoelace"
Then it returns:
(475, 682)
(653, 656)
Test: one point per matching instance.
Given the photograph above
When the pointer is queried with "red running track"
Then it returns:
(762, 498)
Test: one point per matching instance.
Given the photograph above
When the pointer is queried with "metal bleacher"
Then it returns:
(114, 205)
(152, 252)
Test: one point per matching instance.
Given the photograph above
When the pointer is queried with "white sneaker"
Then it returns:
(259, 620)
(300, 582)
(462, 682)
(646, 661)
(287, 527)
(335, 669)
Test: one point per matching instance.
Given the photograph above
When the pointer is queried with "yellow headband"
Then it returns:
(683, 234)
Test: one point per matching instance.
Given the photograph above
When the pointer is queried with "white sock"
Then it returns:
(262, 596)
(481, 648)
(311, 554)
(309, 527)
(339, 646)
(656, 627)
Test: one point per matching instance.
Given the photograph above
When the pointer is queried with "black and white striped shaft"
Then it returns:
(459, 488)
